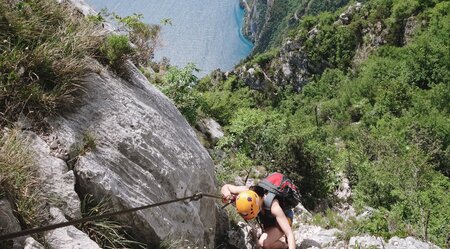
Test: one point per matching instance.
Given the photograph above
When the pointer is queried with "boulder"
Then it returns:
(31, 243)
(308, 236)
(145, 152)
(408, 243)
(57, 181)
(362, 242)
(243, 237)
(67, 237)
(9, 224)
(211, 129)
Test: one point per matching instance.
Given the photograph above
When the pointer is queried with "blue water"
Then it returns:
(204, 32)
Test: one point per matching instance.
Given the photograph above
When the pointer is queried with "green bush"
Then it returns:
(385, 122)
(222, 104)
(179, 84)
(116, 48)
(144, 36)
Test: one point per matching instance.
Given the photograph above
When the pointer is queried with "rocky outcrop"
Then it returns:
(265, 18)
(81, 6)
(374, 36)
(56, 180)
(364, 242)
(66, 237)
(126, 142)
(410, 29)
(346, 17)
(9, 224)
(145, 152)
(211, 129)
(245, 237)
(308, 236)
(31, 243)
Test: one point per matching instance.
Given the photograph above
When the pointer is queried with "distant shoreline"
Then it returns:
(240, 21)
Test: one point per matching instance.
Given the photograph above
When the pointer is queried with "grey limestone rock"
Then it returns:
(245, 237)
(211, 129)
(31, 243)
(67, 237)
(410, 29)
(57, 181)
(408, 243)
(145, 152)
(366, 242)
(309, 236)
(9, 224)
(81, 6)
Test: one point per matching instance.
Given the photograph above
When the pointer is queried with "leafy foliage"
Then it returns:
(178, 84)
(116, 48)
(144, 36)
(385, 122)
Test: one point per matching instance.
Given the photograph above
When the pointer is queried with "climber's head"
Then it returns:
(248, 204)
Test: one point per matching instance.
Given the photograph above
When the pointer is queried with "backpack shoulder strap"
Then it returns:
(268, 199)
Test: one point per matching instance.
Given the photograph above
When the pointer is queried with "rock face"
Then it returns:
(264, 18)
(211, 129)
(9, 224)
(308, 236)
(394, 243)
(145, 152)
(31, 243)
(57, 181)
(81, 6)
(66, 237)
(244, 238)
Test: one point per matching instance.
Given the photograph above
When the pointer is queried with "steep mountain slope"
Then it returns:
(361, 92)
(266, 21)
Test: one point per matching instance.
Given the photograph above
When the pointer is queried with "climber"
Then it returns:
(257, 202)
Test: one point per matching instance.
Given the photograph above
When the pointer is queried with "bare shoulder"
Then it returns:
(276, 209)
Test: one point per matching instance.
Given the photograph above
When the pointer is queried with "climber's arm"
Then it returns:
(283, 222)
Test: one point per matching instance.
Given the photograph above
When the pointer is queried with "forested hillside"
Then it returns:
(266, 21)
(363, 91)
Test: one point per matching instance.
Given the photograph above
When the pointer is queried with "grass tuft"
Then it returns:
(106, 233)
(44, 53)
(18, 181)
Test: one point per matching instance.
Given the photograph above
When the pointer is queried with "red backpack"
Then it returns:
(281, 188)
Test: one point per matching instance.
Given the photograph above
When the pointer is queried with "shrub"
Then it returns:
(116, 48)
(179, 85)
(144, 36)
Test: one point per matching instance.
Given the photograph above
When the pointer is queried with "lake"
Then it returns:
(204, 32)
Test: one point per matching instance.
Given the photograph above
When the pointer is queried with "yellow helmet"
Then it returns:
(248, 204)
